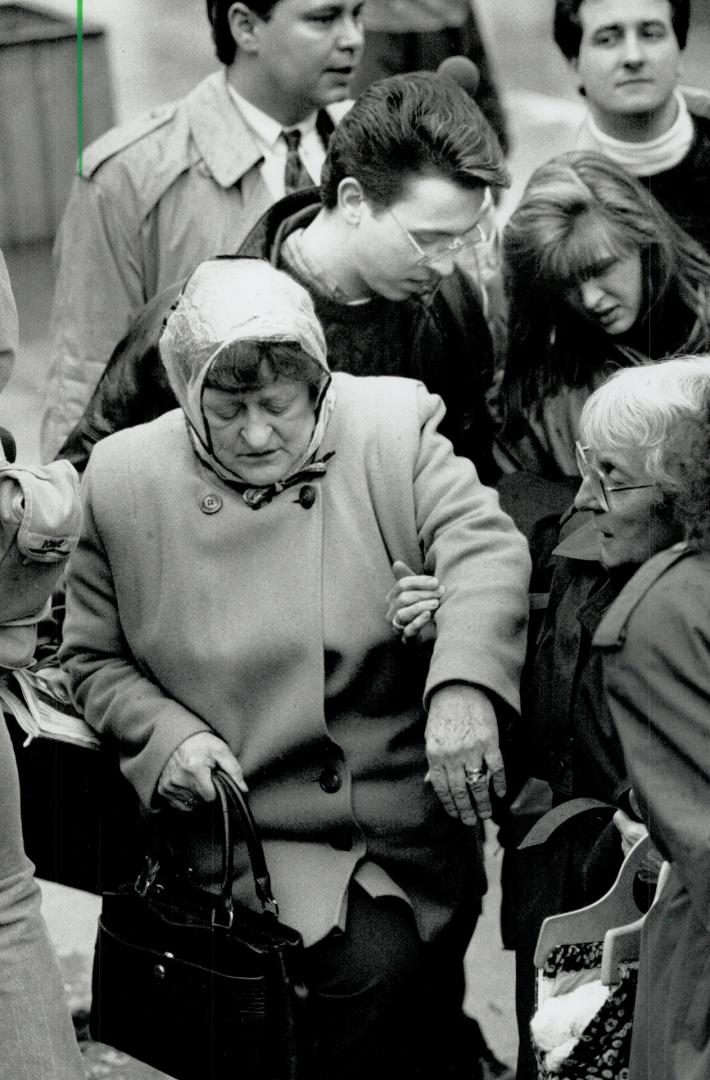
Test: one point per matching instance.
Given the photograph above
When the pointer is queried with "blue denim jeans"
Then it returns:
(37, 1040)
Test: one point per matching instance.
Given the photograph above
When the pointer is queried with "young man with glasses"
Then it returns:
(479, 234)
(405, 191)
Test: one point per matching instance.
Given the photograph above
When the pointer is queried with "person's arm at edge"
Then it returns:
(9, 330)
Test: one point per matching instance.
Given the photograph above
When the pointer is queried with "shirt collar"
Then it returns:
(264, 127)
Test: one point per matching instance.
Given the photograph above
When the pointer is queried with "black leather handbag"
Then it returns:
(195, 985)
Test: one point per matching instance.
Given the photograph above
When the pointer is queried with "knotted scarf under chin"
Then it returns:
(256, 497)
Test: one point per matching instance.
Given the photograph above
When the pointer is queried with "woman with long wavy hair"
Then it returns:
(598, 277)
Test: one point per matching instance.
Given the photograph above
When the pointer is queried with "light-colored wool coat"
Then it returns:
(269, 627)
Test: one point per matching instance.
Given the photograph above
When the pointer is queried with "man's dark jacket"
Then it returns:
(442, 340)
(572, 742)
(684, 190)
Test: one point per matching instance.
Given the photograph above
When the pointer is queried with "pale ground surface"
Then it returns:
(157, 51)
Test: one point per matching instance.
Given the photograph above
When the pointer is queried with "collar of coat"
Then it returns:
(223, 138)
(582, 544)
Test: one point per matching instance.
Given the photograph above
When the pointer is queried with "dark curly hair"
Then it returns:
(568, 25)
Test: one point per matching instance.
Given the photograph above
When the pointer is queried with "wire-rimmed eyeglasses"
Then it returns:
(475, 235)
(598, 483)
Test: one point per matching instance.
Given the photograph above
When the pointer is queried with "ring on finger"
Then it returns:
(476, 776)
(397, 626)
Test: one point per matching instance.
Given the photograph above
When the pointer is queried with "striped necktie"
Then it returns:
(296, 176)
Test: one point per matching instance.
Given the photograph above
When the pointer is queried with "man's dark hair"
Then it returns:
(225, 45)
(407, 126)
(568, 25)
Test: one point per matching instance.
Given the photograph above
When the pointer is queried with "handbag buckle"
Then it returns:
(226, 909)
(147, 877)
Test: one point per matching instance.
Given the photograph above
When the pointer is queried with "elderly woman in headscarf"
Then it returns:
(226, 607)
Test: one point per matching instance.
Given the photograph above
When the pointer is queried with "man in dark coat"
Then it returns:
(405, 184)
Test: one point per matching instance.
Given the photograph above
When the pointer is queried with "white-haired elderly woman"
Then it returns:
(226, 607)
(570, 737)
(656, 648)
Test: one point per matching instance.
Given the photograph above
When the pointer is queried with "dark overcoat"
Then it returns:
(656, 641)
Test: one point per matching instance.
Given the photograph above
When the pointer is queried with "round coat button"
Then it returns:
(307, 496)
(330, 781)
(211, 503)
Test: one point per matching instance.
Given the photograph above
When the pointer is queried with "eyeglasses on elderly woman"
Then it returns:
(598, 482)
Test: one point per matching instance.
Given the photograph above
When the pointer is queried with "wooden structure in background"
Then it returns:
(39, 115)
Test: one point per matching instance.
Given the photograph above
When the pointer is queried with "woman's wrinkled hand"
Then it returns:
(631, 831)
(463, 751)
(412, 601)
(186, 778)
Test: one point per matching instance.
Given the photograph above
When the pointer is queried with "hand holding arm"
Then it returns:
(462, 740)
(8, 325)
(412, 601)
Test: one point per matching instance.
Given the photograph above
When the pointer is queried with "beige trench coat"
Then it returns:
(156, 197)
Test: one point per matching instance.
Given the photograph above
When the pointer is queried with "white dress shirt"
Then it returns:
(267, 135)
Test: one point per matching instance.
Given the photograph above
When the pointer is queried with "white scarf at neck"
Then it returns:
(643, 158)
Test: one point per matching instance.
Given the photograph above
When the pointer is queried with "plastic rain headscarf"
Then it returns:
(228, 300)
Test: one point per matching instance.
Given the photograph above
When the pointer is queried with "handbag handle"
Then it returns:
(232, 801)
(232, 798)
